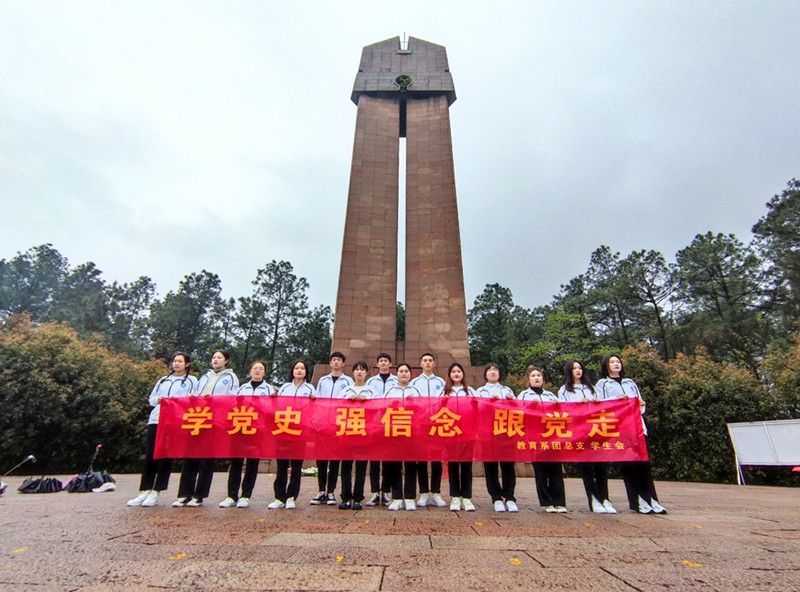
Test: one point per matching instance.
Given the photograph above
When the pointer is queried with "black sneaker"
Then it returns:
(357, 506)
(374, 500)
(347, 505)
(320, 499)
(331, 499)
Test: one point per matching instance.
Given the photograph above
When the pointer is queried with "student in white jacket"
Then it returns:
(255, 387)
(549, 478)
(197, 473)
(353, 493)
(379, 384)
(578, 388)
(502, 495)
(404, 490)
(155, 474)
(286, 494)
(638, 475)
(330, 386)
(460, 471)
(429, 385)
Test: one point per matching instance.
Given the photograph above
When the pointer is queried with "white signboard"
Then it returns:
(766, 443)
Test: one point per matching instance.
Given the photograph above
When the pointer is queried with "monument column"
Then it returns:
(436, 314)
(365, 322)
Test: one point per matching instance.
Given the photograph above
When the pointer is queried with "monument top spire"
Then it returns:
(417, 67)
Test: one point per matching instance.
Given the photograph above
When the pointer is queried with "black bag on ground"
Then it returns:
(40, 485)
(88, 481)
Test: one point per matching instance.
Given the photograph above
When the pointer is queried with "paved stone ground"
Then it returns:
(716, 537)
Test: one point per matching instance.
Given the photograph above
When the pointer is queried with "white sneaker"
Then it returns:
(228, 502)
(276, 504)
(137, 501)
(151, 499)
(410, 505)
(597, 507)
(499, 506)
(468, 505)
(374, 500)
(320, 499)
(107, 486)
(243, 502)
(438, 500)
(455, 504)
(424, 499)
(180, 502)
(290, 505)
(396, 505)
(560, 510)
(609, 508)
(511, 506)
(550, 509)
(195, 502)
(645, 508)
(657, 508)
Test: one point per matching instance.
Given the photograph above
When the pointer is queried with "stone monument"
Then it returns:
(402, 91)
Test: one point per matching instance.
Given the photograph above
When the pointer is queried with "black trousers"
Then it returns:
(436, 477)
(375, 477)
(155, 474)
(196, 477)
(497, 491)
(403, 486)
(595, 480)
(549, 483)
(353, 491)
(327, 475)
(282, 491)
(235, 477)
(460, 479)
(638, 478)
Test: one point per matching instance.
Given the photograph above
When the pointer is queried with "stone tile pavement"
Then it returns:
(716, 537)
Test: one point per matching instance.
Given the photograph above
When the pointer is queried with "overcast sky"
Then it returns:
(162, 138)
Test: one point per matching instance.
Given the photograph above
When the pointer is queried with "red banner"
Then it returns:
(438, 428)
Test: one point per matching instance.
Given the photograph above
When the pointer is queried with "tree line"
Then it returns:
(274, 323)
(711, 337)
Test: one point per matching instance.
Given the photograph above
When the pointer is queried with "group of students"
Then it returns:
(400, 478)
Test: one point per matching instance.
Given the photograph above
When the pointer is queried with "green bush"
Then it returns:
(61, 396)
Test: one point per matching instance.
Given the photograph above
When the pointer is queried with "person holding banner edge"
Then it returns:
(155, 474)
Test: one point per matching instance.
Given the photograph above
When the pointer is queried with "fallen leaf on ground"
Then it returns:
(515, 561)
(20, 550)
(691, 563)
(178, 557)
